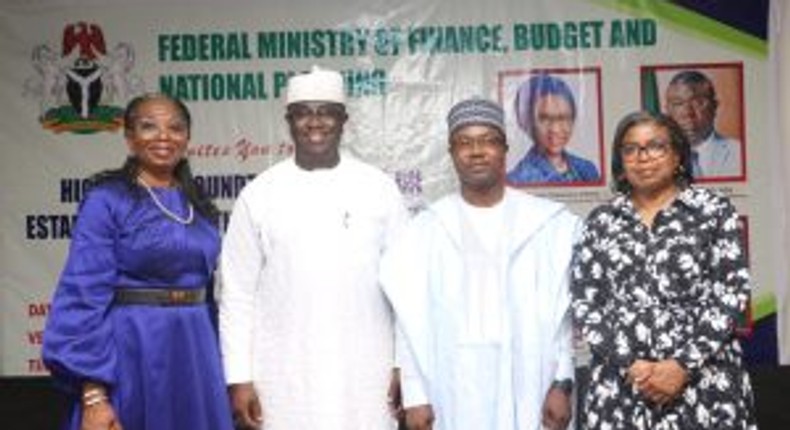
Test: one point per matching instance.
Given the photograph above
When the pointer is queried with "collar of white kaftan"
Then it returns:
(529, 214)
(343, 157)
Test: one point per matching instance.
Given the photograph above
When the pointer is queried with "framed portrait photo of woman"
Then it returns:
(554, 124)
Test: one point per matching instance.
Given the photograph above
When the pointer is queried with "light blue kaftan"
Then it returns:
(497, 381)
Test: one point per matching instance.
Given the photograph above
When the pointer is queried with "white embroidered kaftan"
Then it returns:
(301, 313)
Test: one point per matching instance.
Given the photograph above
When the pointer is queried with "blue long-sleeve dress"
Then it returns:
(161, 363)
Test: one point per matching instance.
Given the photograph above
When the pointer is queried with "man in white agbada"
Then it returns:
(479, 286)
(305, 331)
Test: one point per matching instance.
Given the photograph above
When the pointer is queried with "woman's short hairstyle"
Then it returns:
(678, 142)
(534, 89)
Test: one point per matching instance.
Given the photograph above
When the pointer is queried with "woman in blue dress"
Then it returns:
(546, 111)
(130, 336)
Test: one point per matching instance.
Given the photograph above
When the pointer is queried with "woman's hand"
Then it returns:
(100, 416)
(661, 381)
(640, 371)
(669, 378)
(97, 412)
(246, 408)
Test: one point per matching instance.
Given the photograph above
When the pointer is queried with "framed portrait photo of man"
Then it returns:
(554, 125)
(706, 100)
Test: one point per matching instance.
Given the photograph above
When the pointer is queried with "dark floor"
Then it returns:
(34, 402)
(31, 401)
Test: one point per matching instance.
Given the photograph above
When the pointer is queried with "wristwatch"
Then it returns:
(566, 385)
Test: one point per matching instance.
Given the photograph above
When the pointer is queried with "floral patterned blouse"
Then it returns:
(671, 291)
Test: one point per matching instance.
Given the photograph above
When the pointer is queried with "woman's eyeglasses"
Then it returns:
(652, 149)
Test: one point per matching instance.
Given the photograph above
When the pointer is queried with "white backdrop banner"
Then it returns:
(69, 67)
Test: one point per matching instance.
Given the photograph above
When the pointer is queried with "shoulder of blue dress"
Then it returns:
(112, 188)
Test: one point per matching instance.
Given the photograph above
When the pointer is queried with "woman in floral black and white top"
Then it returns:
(659, 279)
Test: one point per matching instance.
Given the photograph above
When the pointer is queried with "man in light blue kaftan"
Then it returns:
(479, 287)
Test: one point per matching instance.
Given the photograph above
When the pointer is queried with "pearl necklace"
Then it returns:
(170, 214)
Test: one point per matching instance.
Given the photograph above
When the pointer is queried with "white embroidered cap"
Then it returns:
(319, 85)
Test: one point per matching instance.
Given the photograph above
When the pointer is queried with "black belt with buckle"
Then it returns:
(160, 296)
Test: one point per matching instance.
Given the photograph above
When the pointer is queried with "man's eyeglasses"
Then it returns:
(323, 112)
(652, 149)
(484, 141)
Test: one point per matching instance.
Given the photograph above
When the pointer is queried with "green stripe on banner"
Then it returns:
(651, 97)
(691, 22)
(763, 305)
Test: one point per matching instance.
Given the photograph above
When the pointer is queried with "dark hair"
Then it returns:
(678, 142)
(130, 113)
(182, 171)
(536, 87)
(700, 83)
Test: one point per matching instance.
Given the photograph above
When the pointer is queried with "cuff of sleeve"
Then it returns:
(236, 373)
(565, 370)
(413, 392)
(564, 385)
